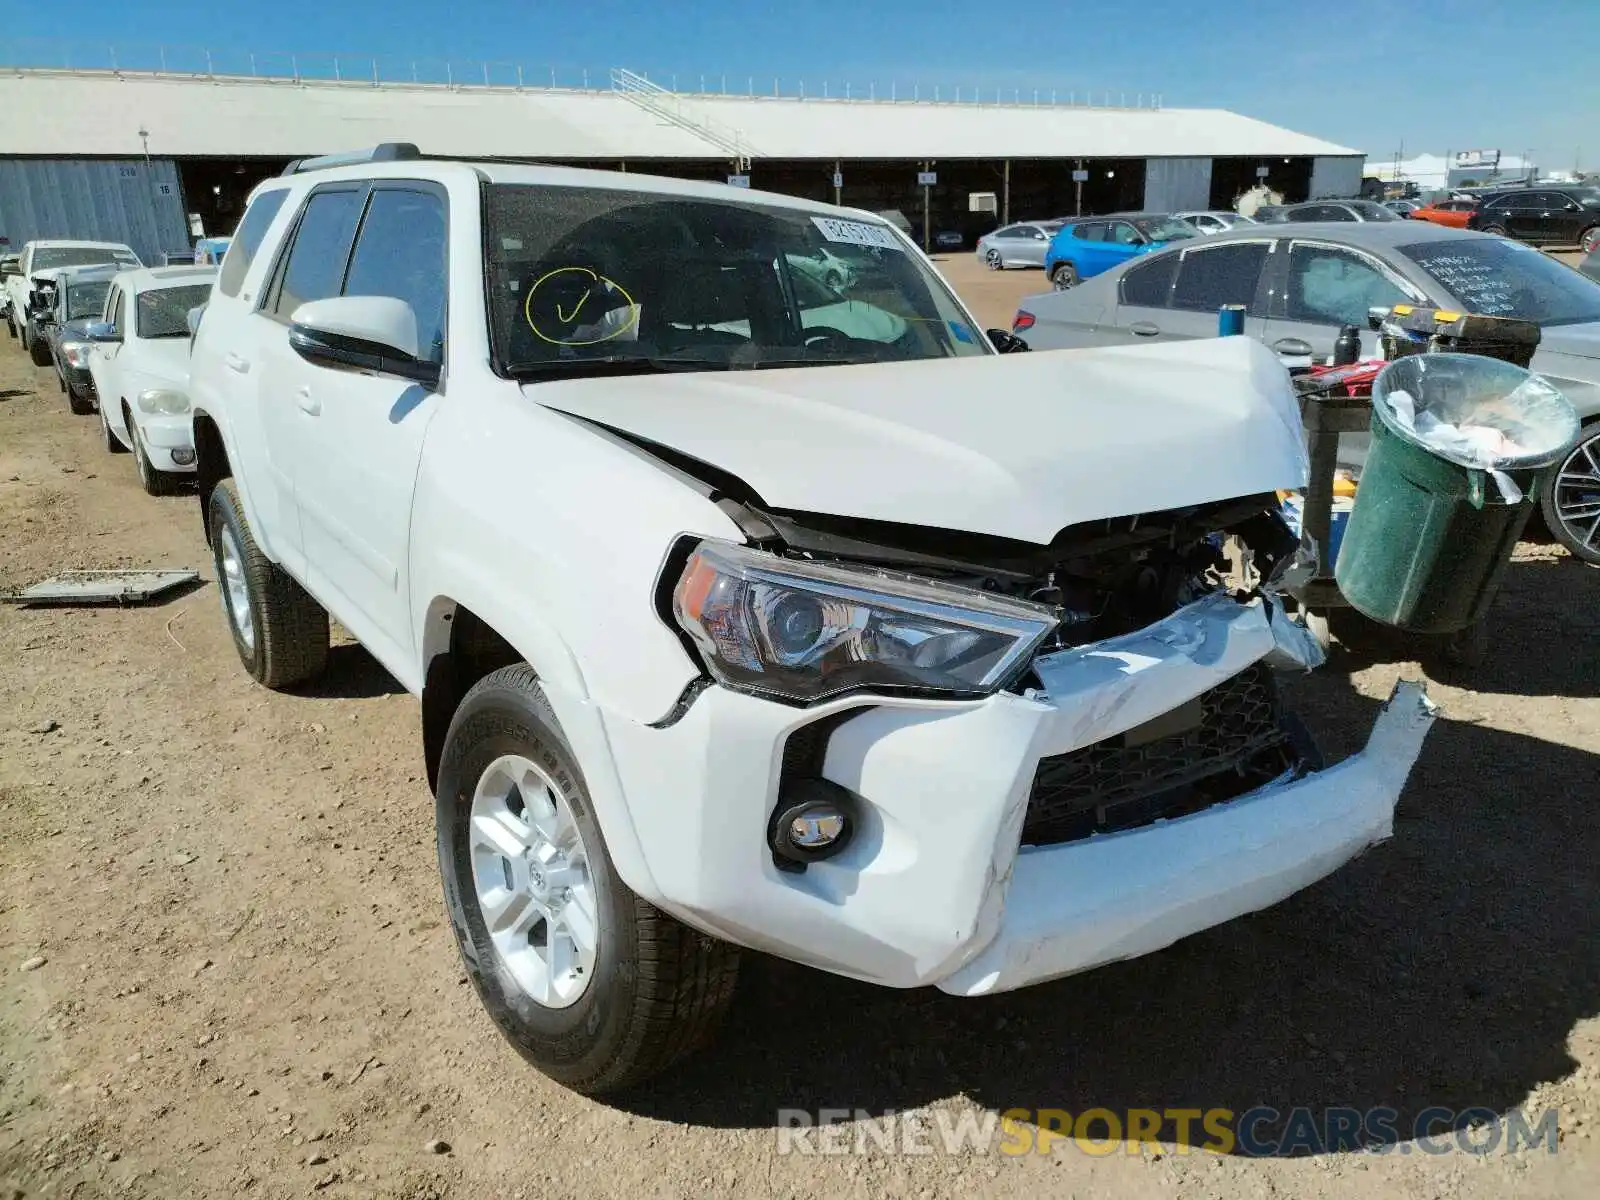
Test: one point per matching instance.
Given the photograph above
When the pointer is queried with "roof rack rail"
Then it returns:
(383, 152)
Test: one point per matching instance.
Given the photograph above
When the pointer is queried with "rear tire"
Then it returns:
(280, 632)
(653, 990)
(1063, 276)
(1589, 242)
(992, 260)
(1497, 230)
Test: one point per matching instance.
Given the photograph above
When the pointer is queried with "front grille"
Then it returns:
(1237, 744)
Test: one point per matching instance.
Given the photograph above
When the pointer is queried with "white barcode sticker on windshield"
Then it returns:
(857, 233)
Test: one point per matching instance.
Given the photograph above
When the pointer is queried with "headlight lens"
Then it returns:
(804, 631)
(76, 354)
(161, 400)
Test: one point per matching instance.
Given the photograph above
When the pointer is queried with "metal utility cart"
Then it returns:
(1338, 400)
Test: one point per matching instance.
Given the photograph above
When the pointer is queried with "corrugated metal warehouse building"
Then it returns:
(152, 158)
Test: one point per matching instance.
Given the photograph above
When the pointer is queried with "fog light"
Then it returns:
(814, 821)
(183, 457)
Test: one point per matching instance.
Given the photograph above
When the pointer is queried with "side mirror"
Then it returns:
(1376, 316)
(102, 331)
(1006, 342)
(361, 333)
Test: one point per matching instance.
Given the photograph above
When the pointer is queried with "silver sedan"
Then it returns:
(1021, 245)
(1300, 284)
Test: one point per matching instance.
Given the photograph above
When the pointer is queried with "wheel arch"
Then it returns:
(464, 641)
(211, 464)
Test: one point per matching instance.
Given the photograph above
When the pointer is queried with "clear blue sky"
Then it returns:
(1436, 75)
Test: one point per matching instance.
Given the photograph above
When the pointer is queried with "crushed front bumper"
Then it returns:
(935, 887)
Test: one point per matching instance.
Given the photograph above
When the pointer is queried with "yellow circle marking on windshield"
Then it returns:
(567, 318)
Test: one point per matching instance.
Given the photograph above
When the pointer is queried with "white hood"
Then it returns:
(1018, 445)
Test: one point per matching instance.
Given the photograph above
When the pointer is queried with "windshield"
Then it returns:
(164, 312)
(1502, 278)
(1164, 229)
(586, 276)
(79, 256)
(86, 299)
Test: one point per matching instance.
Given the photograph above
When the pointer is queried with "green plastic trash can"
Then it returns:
(1461, 445)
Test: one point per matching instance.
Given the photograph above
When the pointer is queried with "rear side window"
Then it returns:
(315, 267)
(1210, 278)
(1092, 231)
(242, 250)
(401, 253)
(1148, 284)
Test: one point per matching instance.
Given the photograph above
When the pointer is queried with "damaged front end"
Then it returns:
(1026, 760)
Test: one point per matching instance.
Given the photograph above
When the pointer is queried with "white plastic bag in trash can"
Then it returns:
(1476, 412)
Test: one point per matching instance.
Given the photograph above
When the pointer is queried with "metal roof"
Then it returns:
(94, 113)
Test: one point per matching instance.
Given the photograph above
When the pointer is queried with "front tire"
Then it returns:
(113, 446)
(595, 987)
(1571, 498)
(280, 632)
(154, 482)
(1063, 276)
(80, 405)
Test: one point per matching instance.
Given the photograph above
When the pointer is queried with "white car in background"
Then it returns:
(1023, 244)
(42, 256)
(140, 365)
(1214, 220)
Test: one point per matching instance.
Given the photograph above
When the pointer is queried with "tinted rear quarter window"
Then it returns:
(1210, 278)
(242, 250)
(1148, 284)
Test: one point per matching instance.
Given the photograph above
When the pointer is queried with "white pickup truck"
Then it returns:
(44, 256)
(747, 612)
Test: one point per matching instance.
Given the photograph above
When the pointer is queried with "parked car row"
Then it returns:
(117, 338)
(746, 598)
(1300, 286)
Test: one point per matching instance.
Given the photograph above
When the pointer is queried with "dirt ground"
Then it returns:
(225, 970)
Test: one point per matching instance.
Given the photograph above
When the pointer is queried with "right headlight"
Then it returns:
(804, 630)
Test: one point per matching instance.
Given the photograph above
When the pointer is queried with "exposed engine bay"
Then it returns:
(1107, 577)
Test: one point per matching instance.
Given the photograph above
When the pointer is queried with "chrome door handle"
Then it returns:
(307, 402)
(235, 363)
(1144, 329)
(1293, 346)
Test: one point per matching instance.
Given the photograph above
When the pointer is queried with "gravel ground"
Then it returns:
(225, 970)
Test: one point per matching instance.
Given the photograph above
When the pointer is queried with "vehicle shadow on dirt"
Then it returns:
(352, 674)
(1445, 968)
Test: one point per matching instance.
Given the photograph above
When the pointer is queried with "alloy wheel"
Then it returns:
(235, 589)
(530, 873)
(1577, 493)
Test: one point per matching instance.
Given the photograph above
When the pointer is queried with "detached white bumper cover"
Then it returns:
(935, 888)
(1069, 908)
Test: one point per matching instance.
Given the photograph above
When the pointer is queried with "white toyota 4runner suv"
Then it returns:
(750, 611)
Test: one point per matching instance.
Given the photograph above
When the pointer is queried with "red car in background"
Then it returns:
(1453, 213)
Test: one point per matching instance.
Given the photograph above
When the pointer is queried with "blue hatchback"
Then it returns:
(1095, 244)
